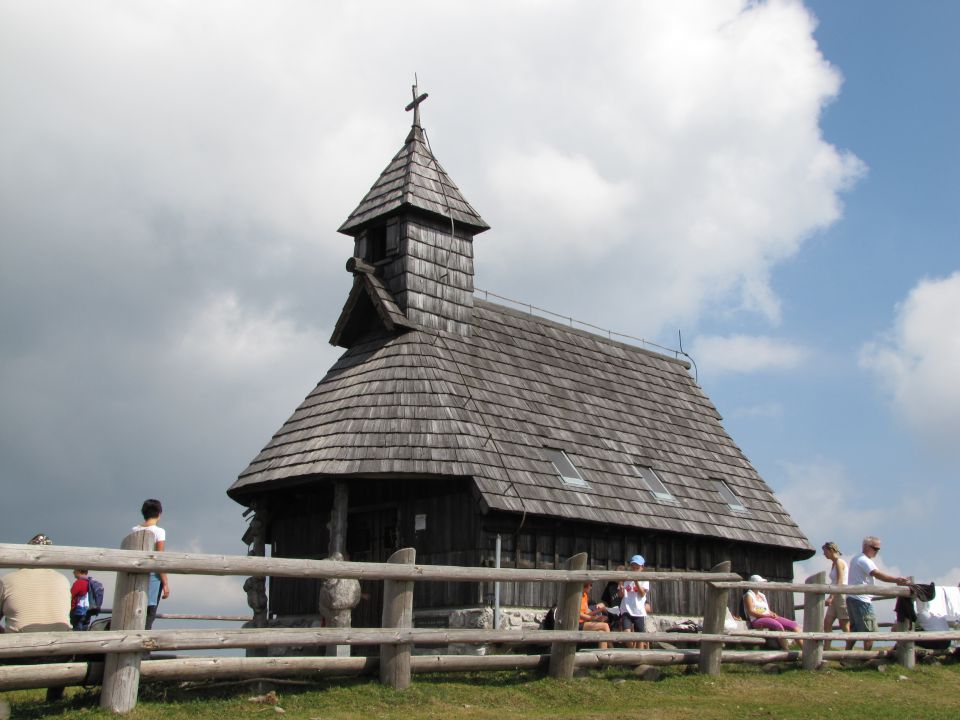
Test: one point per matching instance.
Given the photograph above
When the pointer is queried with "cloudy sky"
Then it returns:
(777, 181)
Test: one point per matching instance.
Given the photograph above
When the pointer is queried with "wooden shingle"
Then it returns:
(414, 180)
(486, 405)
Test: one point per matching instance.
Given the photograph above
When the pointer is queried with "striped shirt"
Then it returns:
(35, 600)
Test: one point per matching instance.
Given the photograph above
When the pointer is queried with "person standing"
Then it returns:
(158, 587)
(863, 571)
(836, 603)
(633, 606)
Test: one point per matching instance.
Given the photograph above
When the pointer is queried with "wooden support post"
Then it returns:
(338, 520)
(121, 672)
(905, 650)
(336, 548)
(397, 613)
(714, 613)
(563, 654)
(813, 611)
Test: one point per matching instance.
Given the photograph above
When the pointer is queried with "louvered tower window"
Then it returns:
(381, 241)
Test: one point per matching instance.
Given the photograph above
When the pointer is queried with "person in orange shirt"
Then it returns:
(592, 619)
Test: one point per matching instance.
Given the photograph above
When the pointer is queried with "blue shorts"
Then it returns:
(637, 623)
(153, 590)
(862, 617)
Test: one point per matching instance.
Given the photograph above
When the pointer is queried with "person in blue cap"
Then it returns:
(633, 606)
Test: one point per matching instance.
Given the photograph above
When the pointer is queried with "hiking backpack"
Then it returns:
(94, 596)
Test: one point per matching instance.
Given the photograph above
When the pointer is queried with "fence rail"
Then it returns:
(67, 557)
(125, 644)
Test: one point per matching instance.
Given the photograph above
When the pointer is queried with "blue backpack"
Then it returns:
(94, 596)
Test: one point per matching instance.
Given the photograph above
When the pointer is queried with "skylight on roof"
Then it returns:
(565, 469)
(653, 483)
(730, 497)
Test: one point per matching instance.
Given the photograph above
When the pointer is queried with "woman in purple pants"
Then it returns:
(762, 617)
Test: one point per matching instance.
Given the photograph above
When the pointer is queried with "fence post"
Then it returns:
(563, 654)
(121, 671)
(714, 613)
(813, 611)
(397, 613)
(905, 650)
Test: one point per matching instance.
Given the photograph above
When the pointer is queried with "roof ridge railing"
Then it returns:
(573, 322)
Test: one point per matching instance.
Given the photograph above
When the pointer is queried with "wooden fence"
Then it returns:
(126, 643)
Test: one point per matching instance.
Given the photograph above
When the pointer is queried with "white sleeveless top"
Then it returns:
(834, 580)
(760, 604)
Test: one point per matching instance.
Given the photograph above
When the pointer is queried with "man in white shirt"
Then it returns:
(863, 571)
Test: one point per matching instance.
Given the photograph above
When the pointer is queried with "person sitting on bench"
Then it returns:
(36, 600)
(761, 617)
(592, 618)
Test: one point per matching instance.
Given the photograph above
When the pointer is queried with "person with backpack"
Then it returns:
(80, 600)
(94, 598)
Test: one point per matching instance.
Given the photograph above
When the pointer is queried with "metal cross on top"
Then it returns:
(415, 105)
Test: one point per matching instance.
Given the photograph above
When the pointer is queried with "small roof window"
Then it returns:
(565, 469)
(730, 497)
(653, 483)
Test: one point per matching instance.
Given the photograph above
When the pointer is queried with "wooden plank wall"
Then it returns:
(382, 518)
(384, 515)
(547, 544)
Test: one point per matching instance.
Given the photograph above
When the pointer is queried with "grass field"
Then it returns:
(928, 692)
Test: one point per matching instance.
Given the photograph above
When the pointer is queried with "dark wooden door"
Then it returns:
(372, 536)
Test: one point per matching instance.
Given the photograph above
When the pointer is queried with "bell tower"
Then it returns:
(413, 236)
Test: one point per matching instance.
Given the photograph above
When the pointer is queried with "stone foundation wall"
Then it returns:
(480, 617)
(290, 621)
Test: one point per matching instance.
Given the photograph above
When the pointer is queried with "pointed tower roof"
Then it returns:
(414, 179)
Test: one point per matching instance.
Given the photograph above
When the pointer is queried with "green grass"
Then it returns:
(928, 692)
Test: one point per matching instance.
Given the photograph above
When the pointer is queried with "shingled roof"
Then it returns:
(414, 180)
(415, 404)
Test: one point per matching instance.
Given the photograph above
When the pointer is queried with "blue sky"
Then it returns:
(777, 180)
(833, 418)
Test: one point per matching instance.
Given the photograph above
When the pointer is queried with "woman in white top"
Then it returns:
(158, 587)
(761, 617)
(836, 603)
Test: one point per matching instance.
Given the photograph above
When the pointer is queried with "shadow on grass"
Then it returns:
(505, 678)
(84, 700)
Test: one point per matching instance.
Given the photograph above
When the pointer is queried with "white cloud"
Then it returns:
(171, 183)
(746, 354)
(828, 504)
(951, 578)
(916, 361)
(223, 337)
(700, 122)
(668, 164)
(570, 190)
